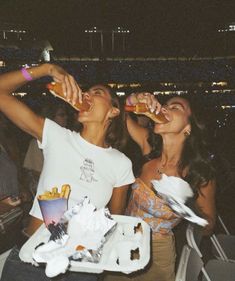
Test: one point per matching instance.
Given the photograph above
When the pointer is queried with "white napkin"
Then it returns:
(88, 226)
(175, 192)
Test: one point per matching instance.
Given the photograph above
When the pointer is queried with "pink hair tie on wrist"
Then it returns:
(129, 100)
(26, 74)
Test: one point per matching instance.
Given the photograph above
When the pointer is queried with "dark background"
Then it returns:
(157, 28)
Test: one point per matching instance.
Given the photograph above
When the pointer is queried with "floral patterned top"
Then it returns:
(145, 204)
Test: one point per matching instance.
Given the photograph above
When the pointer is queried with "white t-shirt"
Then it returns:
(90, 170)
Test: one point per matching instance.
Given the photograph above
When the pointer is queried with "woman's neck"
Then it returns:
(95, 134)
(172, 149)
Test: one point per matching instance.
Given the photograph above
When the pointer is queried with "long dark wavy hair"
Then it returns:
(196, 158)
(116, 135)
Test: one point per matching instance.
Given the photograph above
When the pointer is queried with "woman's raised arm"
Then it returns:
(18, 112)
(137, 132)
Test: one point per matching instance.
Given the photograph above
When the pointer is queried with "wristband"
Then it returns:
(26, 74)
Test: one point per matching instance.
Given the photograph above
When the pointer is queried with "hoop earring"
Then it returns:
(187, 133)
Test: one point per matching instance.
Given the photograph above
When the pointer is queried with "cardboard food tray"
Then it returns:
(126, 250)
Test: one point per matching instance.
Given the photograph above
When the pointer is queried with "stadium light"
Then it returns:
(120, 30)
(92, 30)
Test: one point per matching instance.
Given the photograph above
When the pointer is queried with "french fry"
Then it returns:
(47, 193)
(62, 194)
(41, 197)
(66, 190)
(54, 194)
(54, 190)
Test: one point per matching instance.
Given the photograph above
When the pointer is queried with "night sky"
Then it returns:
(157, 28)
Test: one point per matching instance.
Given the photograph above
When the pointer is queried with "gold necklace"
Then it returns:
(160, 170)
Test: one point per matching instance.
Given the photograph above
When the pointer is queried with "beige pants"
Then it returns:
(160, 268)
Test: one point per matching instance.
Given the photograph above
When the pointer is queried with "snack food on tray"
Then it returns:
(53, 204)
(54, 194)
(126, 249)
(79, 235)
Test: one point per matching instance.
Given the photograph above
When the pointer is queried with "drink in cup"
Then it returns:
(53, 204)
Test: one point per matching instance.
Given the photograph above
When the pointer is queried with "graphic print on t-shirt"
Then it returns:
(87, 171)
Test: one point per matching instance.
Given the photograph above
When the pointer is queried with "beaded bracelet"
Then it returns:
(26, 74)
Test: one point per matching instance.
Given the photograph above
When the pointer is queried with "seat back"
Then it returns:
(190, 266)
(182, 267)
(194, 237)
(221, 242)
(220, 220)
(217, 248)
(3, 258)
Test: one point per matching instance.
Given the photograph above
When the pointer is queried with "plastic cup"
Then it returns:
(53, 209)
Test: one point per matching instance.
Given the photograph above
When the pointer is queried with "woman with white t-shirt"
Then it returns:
(87, 161)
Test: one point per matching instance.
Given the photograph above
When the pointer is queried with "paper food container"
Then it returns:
(126, 250)
(52, 210)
